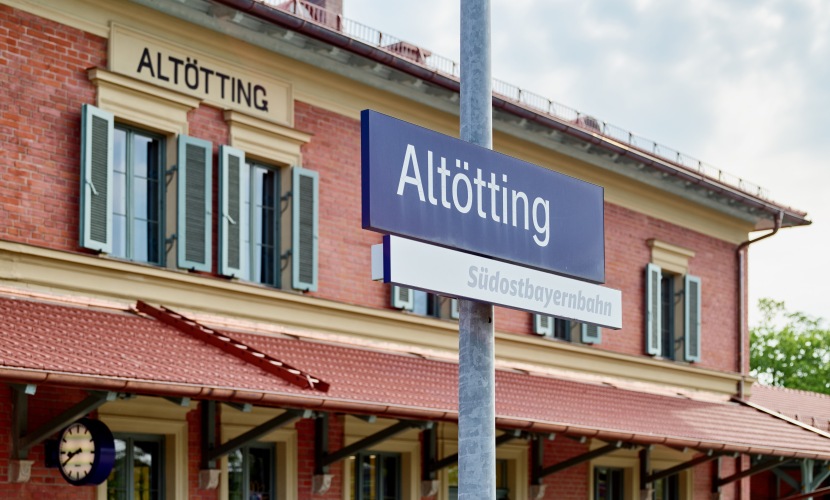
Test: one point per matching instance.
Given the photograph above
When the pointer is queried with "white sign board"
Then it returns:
(452, 273)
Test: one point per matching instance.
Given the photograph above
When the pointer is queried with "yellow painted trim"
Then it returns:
(235, 423)
(153, 416)
(265, 141)
(244, 306)
(670, 257)
(138, 103)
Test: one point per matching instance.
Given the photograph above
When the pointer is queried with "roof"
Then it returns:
(95, 349)
(812, 408)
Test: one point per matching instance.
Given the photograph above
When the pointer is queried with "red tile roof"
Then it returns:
(42, 342)
(812, 408)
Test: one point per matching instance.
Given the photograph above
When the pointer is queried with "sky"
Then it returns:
(743, 85)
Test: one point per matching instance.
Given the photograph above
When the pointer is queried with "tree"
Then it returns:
(790, 349)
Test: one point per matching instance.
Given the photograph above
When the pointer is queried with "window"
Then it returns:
(138, 470)
(268, 466)
(567, 330)
(264, 202)
(609, 483)
(122, 208)
(156, 427)
(122, 188)
(251, 473)
(257, 231)
(424, 303)
(137, 193)
(669, 301)
(672, 314)
(667, 488)
(377, 476)
(502, 480)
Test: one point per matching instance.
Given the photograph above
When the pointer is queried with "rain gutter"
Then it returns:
(316, 401)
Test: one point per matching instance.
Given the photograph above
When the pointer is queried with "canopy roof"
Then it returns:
(126, 351)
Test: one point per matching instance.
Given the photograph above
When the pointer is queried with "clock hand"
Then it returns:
(70, 455)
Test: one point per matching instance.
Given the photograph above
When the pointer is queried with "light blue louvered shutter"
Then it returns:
(590, 334)
(542, 324)
(304, 229)
(691, 318)
(233, 222)
(653, 321)
(96, 178)
(403, 298)
(195, 198)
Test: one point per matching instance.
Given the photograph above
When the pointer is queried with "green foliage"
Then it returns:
(790, 349)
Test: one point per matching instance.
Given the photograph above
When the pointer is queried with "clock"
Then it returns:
(86, 452)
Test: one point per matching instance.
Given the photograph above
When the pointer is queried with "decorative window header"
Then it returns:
(670, 257)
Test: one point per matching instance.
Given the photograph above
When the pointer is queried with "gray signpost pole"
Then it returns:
(476, 343)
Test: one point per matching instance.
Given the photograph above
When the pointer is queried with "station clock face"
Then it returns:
(86, 452)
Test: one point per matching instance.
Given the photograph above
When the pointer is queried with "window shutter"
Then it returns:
(233, 223)
(691, 318)
(652, 316)
(304, 229)
(454, 311)
(591, 334)
(96, 178)
(542, 324)
(403, 298)
(194, 201)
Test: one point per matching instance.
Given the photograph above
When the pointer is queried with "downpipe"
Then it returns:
(742, 307)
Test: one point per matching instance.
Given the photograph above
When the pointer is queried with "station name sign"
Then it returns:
(459, 274)
(434, 188)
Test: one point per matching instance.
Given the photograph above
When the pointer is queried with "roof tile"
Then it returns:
(118, 345)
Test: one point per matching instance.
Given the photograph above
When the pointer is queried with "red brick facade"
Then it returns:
(44, 66)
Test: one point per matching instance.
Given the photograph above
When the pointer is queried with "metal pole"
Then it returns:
(476, 371)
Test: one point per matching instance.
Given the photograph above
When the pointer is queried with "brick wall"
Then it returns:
(345, 262)
(195, 451)
(305, 458)
(627, 254)
(738, 490)
(43, 68)
(46, 404)
(571, 483)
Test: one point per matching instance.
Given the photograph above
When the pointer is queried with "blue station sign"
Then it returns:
(431, 187)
